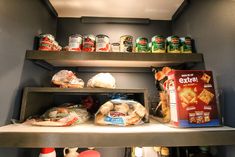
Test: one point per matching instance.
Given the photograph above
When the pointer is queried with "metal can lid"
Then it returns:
(91, 36)
(47, 35)
(182, 39)
(141, 38)
(115, 44)
(75, 35)
(156, 36)
(126, 36)
(101, 36)
(173, 36)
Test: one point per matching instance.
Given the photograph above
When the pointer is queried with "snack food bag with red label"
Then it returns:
(192, 99)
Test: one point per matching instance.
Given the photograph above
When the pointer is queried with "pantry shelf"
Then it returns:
(85, 135)
(36, 100)
(111, 59)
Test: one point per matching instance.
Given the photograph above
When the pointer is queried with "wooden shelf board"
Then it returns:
(110, 59)
(84, 135)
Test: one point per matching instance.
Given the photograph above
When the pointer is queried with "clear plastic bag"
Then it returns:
(121, 112)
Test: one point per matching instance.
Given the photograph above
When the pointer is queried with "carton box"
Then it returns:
(192, 99)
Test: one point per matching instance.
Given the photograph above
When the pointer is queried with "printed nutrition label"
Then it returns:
(173, 107)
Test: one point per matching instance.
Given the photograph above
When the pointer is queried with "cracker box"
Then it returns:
(192, 99)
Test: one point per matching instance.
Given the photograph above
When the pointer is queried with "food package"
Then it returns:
(67, 79)
(65, 115)
(121, 112)
(192, 99)
(47, 43)
(161, 108)
(102, 80)
(161, 77)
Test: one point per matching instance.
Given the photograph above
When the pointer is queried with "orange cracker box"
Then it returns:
(192, 99)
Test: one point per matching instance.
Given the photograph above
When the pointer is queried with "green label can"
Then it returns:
(158, 44)
(186, 45)
(141, 44)
(173, 44)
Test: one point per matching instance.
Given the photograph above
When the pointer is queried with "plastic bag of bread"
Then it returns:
(121, 112)
(64, 115)
(102, 80)
(67, 79)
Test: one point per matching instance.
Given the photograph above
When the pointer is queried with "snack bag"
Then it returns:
(102, 80)
(121, 112)
(67, 79)
(64, 115)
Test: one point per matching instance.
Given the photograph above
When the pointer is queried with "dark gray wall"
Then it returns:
(69, 26)
(20, 21)
(212, 24)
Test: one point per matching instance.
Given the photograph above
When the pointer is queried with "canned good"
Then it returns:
(46, 42)
(158, 44)
(75, 42)
(141, 44)
(102, 43)
(88, 43)
(150, 47)
(173, 44)
(115, 47)
(186, 45)
(126, 43)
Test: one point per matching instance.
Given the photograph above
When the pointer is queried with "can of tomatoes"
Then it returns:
(75, 42)
(46, 42)
(173, 44)
(141, 44)
(102, 43)
(186, 44)
(126, 43)
(158, 44)
(88, 43)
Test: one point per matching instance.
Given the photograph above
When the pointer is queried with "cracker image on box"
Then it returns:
(192, 99)
(206, 96)
(206, 78)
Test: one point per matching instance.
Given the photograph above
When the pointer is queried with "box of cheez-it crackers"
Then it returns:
(192, 99)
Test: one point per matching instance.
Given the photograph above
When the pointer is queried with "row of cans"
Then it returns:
(172, 44)
(99, 43)
(159, 44)
(89, 43)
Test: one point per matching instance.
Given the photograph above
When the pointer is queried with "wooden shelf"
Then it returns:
(109, 59)
(84, 135)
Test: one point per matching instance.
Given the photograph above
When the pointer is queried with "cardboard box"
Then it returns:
(192, 99)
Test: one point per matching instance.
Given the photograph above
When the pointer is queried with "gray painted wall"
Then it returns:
(69, 26)
(20, 21)
(212, 24)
